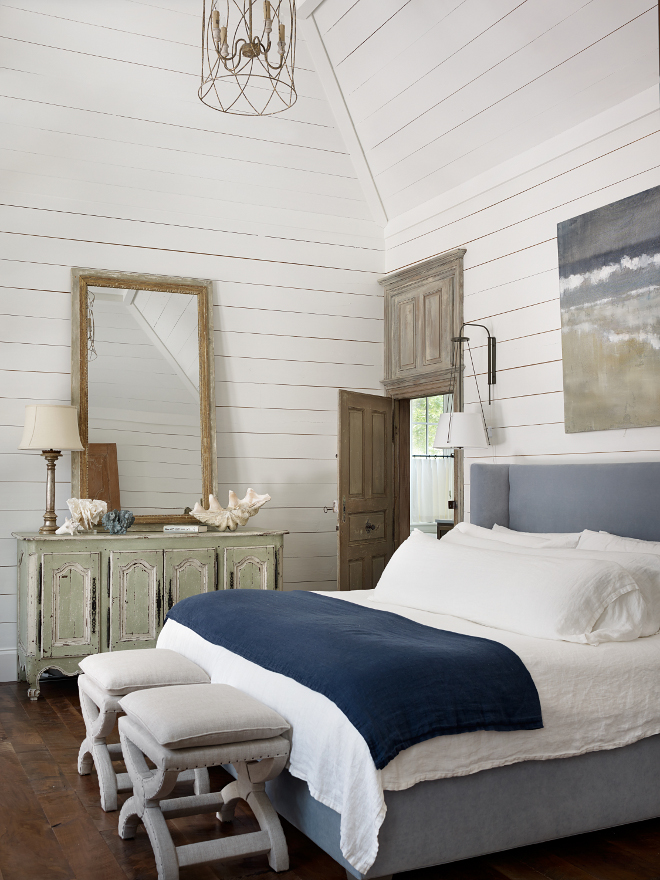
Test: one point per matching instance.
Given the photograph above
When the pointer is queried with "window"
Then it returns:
(431, 469)
(424, 415)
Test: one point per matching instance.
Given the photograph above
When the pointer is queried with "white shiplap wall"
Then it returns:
(108, 160)
(439, 91)
(507, 219)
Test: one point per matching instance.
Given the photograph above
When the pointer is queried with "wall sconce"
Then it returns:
(461, 429)
(51, 429)
(492, 355)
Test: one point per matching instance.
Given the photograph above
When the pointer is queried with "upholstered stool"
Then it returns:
(108, 677)
(181, 728)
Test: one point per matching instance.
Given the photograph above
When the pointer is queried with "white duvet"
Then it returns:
(591, 698)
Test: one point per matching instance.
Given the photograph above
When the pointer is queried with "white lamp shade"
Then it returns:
(460, 429)
(51, 427)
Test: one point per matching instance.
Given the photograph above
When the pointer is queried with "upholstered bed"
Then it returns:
(445, 819)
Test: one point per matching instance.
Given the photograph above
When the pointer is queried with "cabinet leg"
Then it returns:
(33, 690)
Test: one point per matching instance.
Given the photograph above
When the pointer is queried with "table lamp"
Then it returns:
(51, 429)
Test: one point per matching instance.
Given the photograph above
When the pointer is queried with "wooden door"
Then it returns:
(136, 598)
(366, 489)
(71, 600)
(188, 573)
(249, 568)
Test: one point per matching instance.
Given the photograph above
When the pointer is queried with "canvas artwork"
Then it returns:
(609, 282)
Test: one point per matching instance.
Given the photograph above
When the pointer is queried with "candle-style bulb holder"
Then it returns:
(50, 517)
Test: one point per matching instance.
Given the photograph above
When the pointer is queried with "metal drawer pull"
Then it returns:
(370, 527)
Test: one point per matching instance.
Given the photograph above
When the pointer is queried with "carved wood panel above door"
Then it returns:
(423, 310)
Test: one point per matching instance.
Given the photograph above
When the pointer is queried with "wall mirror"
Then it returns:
(142, 377)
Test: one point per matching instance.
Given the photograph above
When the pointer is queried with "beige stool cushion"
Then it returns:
(204, 715)
(120, 672)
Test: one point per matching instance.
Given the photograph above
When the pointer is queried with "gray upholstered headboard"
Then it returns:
(623, 499)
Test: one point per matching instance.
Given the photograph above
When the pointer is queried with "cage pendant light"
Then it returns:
(248, 56)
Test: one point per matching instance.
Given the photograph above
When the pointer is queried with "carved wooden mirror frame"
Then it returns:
(81, 279)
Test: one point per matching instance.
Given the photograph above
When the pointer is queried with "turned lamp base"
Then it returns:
(50, 517)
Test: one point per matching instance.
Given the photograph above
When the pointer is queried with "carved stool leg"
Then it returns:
(99, 725)
(85, 759)
(264, 813)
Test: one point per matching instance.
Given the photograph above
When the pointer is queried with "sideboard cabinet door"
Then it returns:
(71, 602)
(188, 573)
(136, 611)
(249, 568)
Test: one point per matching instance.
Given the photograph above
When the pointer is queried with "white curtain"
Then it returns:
(431, 481)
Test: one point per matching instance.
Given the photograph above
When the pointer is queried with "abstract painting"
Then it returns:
(609, 283)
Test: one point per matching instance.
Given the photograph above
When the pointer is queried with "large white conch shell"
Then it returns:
(236, 514)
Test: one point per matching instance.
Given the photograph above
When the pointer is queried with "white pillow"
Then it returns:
(522, 539)
(547, 596)
(644, 568)
(605, 541)
(563, 539)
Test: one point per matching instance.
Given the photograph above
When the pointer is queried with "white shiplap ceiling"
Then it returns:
(440, 91)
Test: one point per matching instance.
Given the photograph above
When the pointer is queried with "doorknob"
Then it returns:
(370, 527)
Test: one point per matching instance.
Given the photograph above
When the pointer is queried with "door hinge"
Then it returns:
(93, 605)
(343, 509)
(107, 638)
(231, 580)
(158, 605)
(170, 600)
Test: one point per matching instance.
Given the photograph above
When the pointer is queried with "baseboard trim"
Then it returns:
(8, 665)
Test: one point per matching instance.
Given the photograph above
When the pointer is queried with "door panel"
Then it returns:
(136, 598)
(366, 489)
(406, 333)
(249, 568)
(188, 573)
(71, 599)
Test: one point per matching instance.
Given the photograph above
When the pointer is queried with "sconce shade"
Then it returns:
(460, 429)
(51, 427)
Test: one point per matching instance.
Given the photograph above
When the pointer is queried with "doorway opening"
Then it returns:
(431, 469)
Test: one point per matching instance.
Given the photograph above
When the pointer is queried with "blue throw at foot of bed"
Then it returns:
(397, 681)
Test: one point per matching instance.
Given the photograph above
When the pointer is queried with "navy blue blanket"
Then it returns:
(397, 681)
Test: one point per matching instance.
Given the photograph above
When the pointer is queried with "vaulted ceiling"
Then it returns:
(439, 91)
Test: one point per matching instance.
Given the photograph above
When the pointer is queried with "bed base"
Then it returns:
(492, 811)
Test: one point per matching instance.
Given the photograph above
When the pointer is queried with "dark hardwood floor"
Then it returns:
(52, 827)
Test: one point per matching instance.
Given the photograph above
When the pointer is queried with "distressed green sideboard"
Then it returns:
(98, 592)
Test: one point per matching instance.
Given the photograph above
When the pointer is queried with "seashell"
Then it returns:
(86, 512)
(70, 527)
(236, 514)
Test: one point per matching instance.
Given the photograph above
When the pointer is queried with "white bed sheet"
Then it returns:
(592, 698)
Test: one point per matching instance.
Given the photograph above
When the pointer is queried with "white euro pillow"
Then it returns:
(521, 539)
(644, 568)
(558, 539)
(551, 597)
(605, 541)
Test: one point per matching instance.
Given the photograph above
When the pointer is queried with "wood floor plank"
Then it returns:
(28, 846)
(544, 863)
(604, 860)
(86, 851)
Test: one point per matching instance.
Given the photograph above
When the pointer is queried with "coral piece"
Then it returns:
(70, 527)
(118, 522)
(236, 514)
(85, 512)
